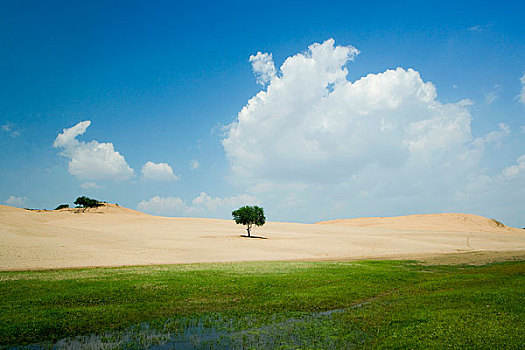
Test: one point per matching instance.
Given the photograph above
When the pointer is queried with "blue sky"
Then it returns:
(166, 83)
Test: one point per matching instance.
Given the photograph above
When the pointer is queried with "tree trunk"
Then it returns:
(248, 228)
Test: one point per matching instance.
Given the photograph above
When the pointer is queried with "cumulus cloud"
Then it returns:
(91, 160)
(202, 205)
(194, 164)
(522, 94)
(158, 172)
(263, 67)
(314, 142)
(313, 124)
(15, 201)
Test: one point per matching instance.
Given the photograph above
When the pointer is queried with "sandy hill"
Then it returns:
(104, 208)
(114, 236)
(445, 221)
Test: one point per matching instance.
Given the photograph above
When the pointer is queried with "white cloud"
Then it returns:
(494, 138)
(515, 171)
(480, 28)
(263, 67)
(194, 164)
(169, 206)
(68, 136)
(213, 204)
(492, 95)
(312, 124)
(10, 129)
(314, 145)
(90, 185)
(500, 196)
(522, 94)
(158, 172)
(475, 28)
(91, 160)
(201, 206)
(15, 201)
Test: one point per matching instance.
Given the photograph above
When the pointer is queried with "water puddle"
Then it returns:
(222, 332)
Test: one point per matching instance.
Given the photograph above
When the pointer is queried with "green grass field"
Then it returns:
(288, 305)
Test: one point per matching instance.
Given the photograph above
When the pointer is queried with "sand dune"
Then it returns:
(445, 221)
(116, 236)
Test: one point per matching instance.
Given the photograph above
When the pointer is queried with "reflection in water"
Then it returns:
(316, 330)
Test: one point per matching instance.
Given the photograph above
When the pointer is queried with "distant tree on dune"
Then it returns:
(249, 216)
(87, 202)
(62, 206)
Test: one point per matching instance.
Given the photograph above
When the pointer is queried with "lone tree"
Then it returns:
(87, 202)
(249, 216)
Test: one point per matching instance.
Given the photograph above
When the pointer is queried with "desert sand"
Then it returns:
(116, 236)
(438, 222)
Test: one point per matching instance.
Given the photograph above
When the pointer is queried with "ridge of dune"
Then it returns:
(442, 221)
(105, 208)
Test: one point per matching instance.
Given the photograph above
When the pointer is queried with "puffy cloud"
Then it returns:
(194, 164)
(263, 67)
(158, 172)
(68, 136)
(91, 160)
(522, 94)
(202, 205)
(15, 201)
(312, 124)
(314, 145)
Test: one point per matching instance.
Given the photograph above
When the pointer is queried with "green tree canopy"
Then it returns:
(249, 216)
(87, 202)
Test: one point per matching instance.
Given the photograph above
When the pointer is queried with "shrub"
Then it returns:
(87, 202)
(62, 206)
(498, 223)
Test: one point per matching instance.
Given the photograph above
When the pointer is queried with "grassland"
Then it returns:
(364, 304)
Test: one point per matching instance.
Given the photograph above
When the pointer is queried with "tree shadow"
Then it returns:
(252, 236)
